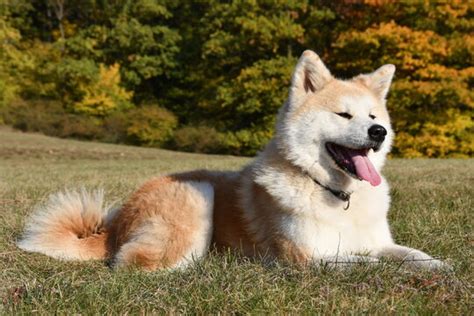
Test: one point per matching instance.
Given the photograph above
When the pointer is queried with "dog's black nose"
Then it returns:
(377, 133)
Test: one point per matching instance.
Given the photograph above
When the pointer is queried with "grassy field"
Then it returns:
(431, 210)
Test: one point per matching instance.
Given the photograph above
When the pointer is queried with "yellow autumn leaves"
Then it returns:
(104, 96)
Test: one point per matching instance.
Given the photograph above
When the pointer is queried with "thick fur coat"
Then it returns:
(313, 195)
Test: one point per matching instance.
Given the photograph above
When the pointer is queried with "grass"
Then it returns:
(431, 210)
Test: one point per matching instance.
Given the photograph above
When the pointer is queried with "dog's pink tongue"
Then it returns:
(365, 169)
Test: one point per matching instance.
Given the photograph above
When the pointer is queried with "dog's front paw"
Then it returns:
(438, 265)
(413, 258)
(430, 264)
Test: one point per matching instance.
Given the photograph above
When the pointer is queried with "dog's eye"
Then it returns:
(345, 115)
(372, 116)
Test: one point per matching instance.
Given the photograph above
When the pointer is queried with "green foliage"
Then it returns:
(136, 37)
(227, 65)
(146, 51)
(13, 61)
(8, 54)
(255, 95)
(248, 103)
(246, 141)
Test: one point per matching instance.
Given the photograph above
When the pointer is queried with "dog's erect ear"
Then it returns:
(310, 75)
(379, 81)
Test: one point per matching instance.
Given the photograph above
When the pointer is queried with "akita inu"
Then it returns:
(314, 195)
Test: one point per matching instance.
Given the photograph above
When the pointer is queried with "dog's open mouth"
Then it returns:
(355, 162)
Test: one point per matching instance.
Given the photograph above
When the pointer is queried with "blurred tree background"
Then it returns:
(209, 76)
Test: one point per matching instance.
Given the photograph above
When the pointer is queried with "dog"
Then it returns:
(314, 195)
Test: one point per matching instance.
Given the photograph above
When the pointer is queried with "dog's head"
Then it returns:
(336, 130)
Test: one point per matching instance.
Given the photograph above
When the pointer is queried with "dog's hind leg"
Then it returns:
(165, 224)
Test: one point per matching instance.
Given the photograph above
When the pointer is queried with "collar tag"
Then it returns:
(341, 195)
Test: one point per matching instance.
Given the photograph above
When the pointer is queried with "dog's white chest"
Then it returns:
(333, 231)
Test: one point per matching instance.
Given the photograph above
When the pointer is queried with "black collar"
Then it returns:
(341, 195)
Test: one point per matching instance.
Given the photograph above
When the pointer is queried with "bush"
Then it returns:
(34, 116)
(247, 142)
(151, 125)
(200, 139)
(148, 125)
(114, 129)
(50, 118)
(81, 127)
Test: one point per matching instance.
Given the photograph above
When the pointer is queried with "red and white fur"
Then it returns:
(272, 207)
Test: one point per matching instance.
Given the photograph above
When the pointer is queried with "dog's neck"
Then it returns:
(338, 185)
(340, 194)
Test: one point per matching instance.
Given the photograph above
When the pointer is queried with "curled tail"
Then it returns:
(71, 225)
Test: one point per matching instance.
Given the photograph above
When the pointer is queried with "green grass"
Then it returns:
(431, 210)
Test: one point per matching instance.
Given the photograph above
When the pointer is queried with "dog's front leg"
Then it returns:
(344, 261)
(288, 250)
(412, 257)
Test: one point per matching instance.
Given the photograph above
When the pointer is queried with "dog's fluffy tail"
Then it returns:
(71, 225)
